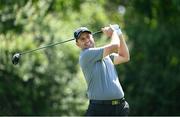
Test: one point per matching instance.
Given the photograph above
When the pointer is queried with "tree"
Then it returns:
(47, 82)
(153, 28)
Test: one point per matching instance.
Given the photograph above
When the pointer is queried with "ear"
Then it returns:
(77, 44)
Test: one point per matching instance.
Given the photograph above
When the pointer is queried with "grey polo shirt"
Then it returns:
(100, 74)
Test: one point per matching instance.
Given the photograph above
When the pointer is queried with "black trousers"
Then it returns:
(108, 109)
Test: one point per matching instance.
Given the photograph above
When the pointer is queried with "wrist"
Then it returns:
(116, 28)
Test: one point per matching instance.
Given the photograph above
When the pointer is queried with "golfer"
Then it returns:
(106, 96)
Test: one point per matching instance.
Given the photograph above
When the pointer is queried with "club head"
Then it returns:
(16, 58)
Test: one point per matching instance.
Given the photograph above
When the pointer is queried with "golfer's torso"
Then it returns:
(102, 80)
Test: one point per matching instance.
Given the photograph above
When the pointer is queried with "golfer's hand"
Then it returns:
(108, 31)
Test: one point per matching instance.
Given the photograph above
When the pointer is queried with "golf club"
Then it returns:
(16, 57)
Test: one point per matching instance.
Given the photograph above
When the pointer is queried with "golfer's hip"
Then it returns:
(108, 102)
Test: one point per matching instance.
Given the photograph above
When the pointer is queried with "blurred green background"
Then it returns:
(50, 81)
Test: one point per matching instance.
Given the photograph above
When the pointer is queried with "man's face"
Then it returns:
(85, 41)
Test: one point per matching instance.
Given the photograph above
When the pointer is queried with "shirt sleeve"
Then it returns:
(92, 55)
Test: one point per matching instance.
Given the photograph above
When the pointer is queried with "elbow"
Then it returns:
(127, 59)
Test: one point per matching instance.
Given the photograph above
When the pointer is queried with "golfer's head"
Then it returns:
(84, 38)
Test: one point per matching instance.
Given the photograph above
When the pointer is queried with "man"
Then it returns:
(104, 90)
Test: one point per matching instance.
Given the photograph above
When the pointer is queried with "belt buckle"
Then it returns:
(115, 102)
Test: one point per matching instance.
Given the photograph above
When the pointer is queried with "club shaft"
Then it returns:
(50, 45)
(54, 44)
(97, 32)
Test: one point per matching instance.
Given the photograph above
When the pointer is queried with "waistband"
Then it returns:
(109, 102)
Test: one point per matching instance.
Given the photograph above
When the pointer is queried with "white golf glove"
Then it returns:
(116, 28)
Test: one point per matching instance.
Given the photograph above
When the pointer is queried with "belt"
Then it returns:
(110, 102)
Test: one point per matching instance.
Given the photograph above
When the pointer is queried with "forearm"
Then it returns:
(122, 55)
(113, 46)
(123, 51)
(115, 39)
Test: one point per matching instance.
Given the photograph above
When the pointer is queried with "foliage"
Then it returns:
(154, 32)
(47, 82)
